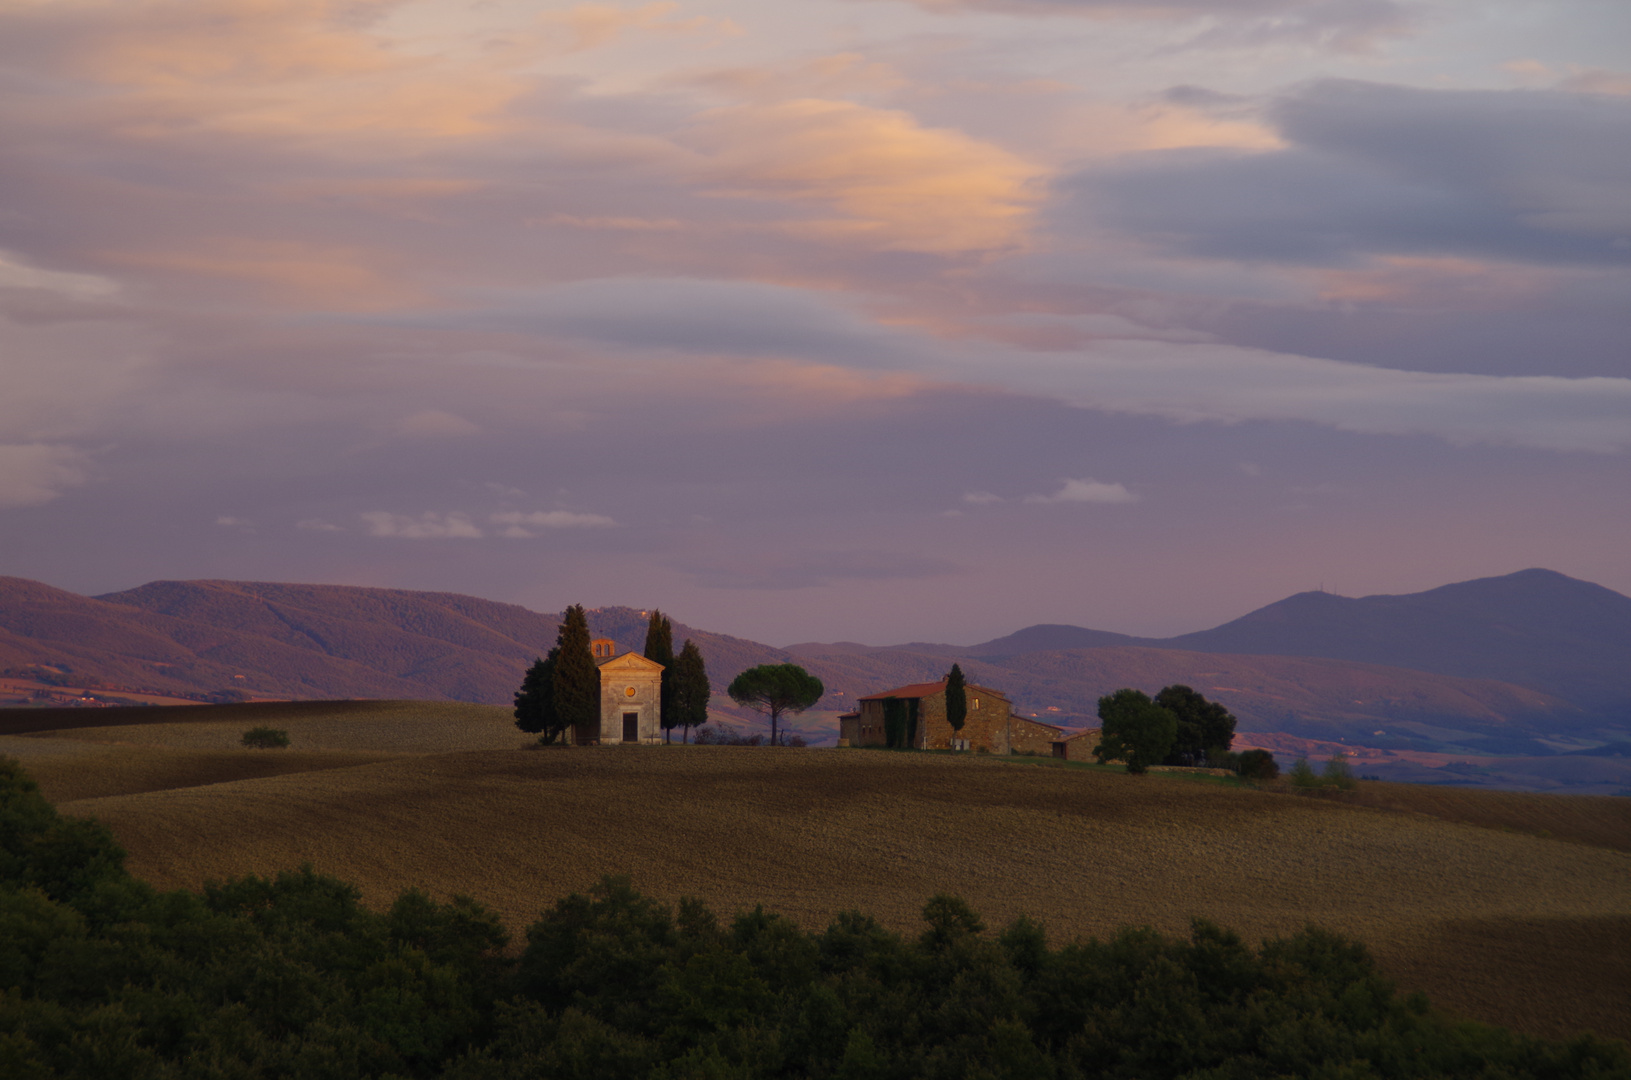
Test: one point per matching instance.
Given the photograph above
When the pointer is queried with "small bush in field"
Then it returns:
(266, 738)
(1256, 765)
(1337, 773)
(1303, 776)
(722, 736)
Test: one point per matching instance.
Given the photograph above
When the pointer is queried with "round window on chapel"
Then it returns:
(628, 691)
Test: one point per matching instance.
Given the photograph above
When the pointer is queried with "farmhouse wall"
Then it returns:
(1078, 747)
(1026, 736)
(984, 728)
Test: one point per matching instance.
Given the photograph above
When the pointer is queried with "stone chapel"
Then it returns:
(630, 707)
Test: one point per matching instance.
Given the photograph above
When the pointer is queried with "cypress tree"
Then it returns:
(535, 701)
(691, 689)
(956, 698)
(660, 650)
(576, 681)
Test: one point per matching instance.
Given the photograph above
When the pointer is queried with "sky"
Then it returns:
(870, 320)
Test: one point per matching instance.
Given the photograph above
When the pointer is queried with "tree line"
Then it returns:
(290, 977)
(1177, 727)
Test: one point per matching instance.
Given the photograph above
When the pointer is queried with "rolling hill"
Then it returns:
(1567, 638)
(1563, 645)
(329, 642)
(1505, 907)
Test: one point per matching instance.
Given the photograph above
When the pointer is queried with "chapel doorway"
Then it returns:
(631, 727)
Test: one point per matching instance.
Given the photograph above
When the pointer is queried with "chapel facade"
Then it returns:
(630, 699)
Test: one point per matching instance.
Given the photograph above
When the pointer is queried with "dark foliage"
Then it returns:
(290, 977)
(576, 679)
(535, 711)
(691, 689)
(1135, 730)
(266, 738)
(894, 722)
(1204, 727)
(775, 689)
(1257, 765)
(722, 736)
(956, 698)
(660, 649)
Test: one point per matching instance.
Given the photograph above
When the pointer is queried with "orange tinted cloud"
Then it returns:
(306, 66)
(895, 184)
(822, 385)
(587, 26)
(314, 276)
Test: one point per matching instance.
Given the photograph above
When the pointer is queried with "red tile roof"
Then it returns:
(916, 690)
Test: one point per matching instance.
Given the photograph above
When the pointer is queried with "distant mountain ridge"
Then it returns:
(1567, 639)
(1559, 663)
(1537, 628)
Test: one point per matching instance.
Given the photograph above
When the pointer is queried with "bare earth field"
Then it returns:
(1510, 908)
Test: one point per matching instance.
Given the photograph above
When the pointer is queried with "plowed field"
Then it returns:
(1483, 913)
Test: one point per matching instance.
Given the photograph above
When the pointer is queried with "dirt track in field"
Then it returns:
(1486, 917)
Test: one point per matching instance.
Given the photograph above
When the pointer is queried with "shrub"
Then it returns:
(1303, 776)
(266, 738)
(712, 736)
(1256, 765)
(1337, 774)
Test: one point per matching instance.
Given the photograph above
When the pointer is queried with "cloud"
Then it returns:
(813, 569)
(981, 498)
(15, 273)
(249, 66)
(427, 526)
(1232, 384)
(1097, 364)
(1343, 25)
(318, 525)
(519, 526)
(732, 318)
(588, 26)
(895, 184)
(434, 424)
(322, 276)
(34, 473)
(1529, 176)
(1086, 491)
(511, 524)
(231, 522)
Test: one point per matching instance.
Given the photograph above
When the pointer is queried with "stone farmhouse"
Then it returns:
(1077, 746)
(990, 726)
(629, 698)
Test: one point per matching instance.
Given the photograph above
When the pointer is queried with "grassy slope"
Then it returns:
(1509, 926)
